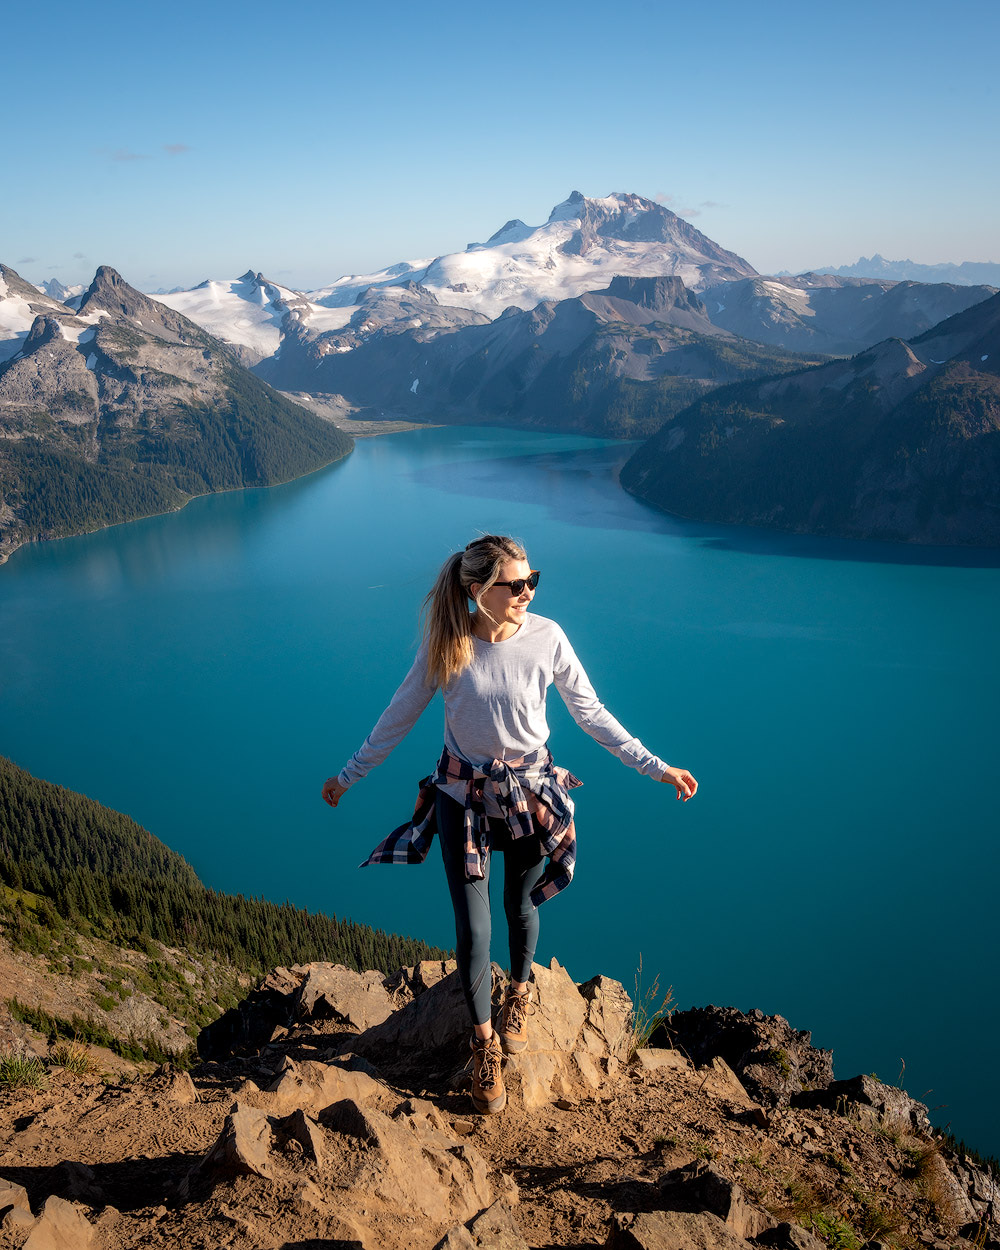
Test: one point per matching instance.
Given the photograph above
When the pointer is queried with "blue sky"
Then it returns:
(310, 140)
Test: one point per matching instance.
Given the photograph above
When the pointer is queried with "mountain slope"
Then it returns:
(584, 243)
(250, 313)
(616, 362)
(834, 316)
(901, 443)
(126, 408)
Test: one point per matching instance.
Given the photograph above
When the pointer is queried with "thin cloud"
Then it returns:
(175, 149)
(28, 260)
(661, 197)
(710, 204)
(125, 154)
(689, 212)
(79, 255)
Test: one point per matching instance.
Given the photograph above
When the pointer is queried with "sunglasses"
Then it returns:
(519, 583)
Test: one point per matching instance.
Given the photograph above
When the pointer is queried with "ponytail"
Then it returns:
(447, 620)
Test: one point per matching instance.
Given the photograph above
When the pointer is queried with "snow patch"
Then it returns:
(986, 357)
(92, 361)
(416, 383)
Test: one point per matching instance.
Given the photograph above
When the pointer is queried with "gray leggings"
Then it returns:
(523, 864)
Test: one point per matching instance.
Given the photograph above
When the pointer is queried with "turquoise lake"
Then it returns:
(207, 670)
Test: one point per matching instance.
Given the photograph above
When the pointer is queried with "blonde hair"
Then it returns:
(447, 620)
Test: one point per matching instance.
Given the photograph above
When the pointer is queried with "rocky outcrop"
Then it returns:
(772, 1060)
(581, 1033)
(344, 1124)
(886, 1103)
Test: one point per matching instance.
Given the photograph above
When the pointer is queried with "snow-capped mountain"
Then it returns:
(57, 291)
(582, 246)
(251, 312)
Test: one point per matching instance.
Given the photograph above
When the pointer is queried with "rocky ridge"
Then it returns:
(330, 1110)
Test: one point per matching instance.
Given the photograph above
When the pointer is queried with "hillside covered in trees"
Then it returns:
(103, 873)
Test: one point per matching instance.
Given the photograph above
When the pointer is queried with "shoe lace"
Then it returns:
(518, 1008)
(489, 1065)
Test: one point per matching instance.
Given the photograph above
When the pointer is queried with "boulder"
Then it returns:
(61, 1225)
(409, 983)
(243, 1147)
(886, 1102)
(13, 1196)
(254, 1022)
(789, 1237)
(700, 1187)
(77, 1182)
(654, 1058)
(174, 1086)
(425, 1173)
(671, 1230)
(353, 1000)
(311, 1086)
(493, 1229)
(719, 1080)
(771, 1059)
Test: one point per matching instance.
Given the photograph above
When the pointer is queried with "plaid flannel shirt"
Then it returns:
(532, 795)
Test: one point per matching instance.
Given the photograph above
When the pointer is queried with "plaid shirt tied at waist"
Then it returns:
(532, 795)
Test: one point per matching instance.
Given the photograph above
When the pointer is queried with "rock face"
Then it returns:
(900, 443)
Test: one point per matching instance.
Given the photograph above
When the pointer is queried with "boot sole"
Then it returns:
(510, 1046)
(493, 1106)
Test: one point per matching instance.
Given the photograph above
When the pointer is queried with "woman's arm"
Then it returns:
(392, 726)
(593, 717)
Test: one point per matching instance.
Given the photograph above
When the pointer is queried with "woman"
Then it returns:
(496, 787)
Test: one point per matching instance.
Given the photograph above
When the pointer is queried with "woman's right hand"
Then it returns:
(333, 791)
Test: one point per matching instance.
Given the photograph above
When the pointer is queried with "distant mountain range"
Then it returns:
(615, 317)
(901, 442)
(121, 407)
(968, 273)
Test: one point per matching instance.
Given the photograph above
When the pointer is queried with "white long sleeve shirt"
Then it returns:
(495, 708)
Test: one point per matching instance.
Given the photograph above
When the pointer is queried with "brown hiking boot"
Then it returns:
(513, 1026)
(488, 1093)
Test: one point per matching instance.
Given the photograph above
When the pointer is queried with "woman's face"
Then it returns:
(502, 606)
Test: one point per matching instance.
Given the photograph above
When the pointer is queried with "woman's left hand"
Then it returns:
(682, 781)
